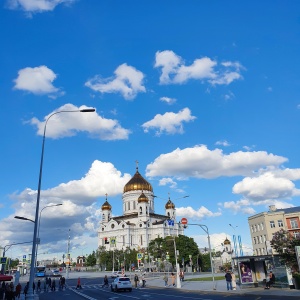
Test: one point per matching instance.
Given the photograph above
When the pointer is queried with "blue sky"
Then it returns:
(204, 94)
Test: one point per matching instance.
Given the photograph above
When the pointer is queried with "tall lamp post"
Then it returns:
(30, 295)
(38, 233)
(205, 229)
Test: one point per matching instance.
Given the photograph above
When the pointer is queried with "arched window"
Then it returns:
(168, 214)
(103, 217)
(146, 210)
(141, 210)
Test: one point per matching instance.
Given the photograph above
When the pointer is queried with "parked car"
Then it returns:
(121, 283)
(116, 274)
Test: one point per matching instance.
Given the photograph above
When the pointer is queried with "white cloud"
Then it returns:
(127, 81)
(38, 81)
(222, 143)
(201, 162)
(168, 100)
(199, 214)
(269, 185)
(241, 206)
(168, 181)
(68, 124)
(174, 71)
(102, 178)
(169, 123)
(36, 5)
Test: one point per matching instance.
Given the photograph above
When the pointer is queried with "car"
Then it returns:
(117, 274)
(121, 283)
(55, 273)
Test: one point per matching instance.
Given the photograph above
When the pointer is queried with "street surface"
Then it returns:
(92, 290)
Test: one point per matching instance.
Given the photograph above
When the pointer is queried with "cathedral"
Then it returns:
(139, 223)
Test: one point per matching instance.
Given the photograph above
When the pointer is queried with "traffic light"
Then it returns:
(106, 241)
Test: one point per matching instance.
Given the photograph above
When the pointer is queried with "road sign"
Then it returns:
(171, 222)
(3, 260)
(184, 221)
(139, 256)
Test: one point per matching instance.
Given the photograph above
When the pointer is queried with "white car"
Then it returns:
(121, 283)
(55, 273)
(116, 274)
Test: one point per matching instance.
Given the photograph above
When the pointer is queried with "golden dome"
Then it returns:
(106, 206)
(143, 198)
(170, 204)
(137, 182)
(227, 242)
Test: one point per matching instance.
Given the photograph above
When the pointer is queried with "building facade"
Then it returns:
(139, 223)
(263, 226)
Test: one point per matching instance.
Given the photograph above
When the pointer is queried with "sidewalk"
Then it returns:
(220, 287)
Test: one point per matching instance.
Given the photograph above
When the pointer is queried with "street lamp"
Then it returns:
(30, 295)
(38, 233)
(205, 229)
(23, 218)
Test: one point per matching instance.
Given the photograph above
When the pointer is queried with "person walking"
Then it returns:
(136, 280)
(143, 280)
(228, 278)
(53, 285)
(233, 281)
(165, 279)
(105, 281)
(18, 290)
(78, 284)
(38, 286)
(173, 279)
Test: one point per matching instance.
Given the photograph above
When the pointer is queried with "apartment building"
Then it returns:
(263, 226)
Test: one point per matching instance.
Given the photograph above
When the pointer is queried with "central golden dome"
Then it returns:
(136, 183)
(106, 206)
(227, 242)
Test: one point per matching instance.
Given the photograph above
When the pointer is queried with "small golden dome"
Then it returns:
(227, 242)
(137, 182)
(170, 204)
(143, 198)
(106, 206)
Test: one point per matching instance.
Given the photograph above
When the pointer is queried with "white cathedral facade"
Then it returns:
(139, 223)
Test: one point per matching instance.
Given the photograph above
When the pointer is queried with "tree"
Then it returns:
(91, 260)
(284, 244)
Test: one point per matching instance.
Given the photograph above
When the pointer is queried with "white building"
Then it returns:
(139, 223)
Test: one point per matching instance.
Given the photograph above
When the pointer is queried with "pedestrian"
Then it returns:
(181, 275)
(270, 280)
(38, 286)
(53, 285)
(63, 282)
(78, 284)
(105, 281)
(18, 290)
(26, 288)
(136, 280)
(49, 283)
(173, 279)
(233, 281)
(165, 279)
(46, 285)
(228, 278)
(143, 280)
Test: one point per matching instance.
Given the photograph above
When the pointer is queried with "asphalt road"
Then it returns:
(92, 290)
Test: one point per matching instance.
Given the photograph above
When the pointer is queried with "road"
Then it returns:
(92, 290)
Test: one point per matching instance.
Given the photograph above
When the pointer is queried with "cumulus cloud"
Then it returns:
(36, 6)
(170, 122)
(199, 214)
(127, 81)
(223, 143)
(174, 70)
(241, 206)
(69, 124)
(275, 184)
(168, 100)
(79, 211)
(200, 162)
(38, 81)
(168, 181)
(101, 178)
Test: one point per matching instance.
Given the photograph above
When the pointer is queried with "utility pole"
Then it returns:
(68, 256)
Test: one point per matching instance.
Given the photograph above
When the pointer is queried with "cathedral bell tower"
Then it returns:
(106, 211)
(170, 210)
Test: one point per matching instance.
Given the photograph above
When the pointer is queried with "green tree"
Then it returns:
(91, 260)
(284, 244)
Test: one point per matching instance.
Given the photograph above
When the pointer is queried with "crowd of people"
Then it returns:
(8, 291)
